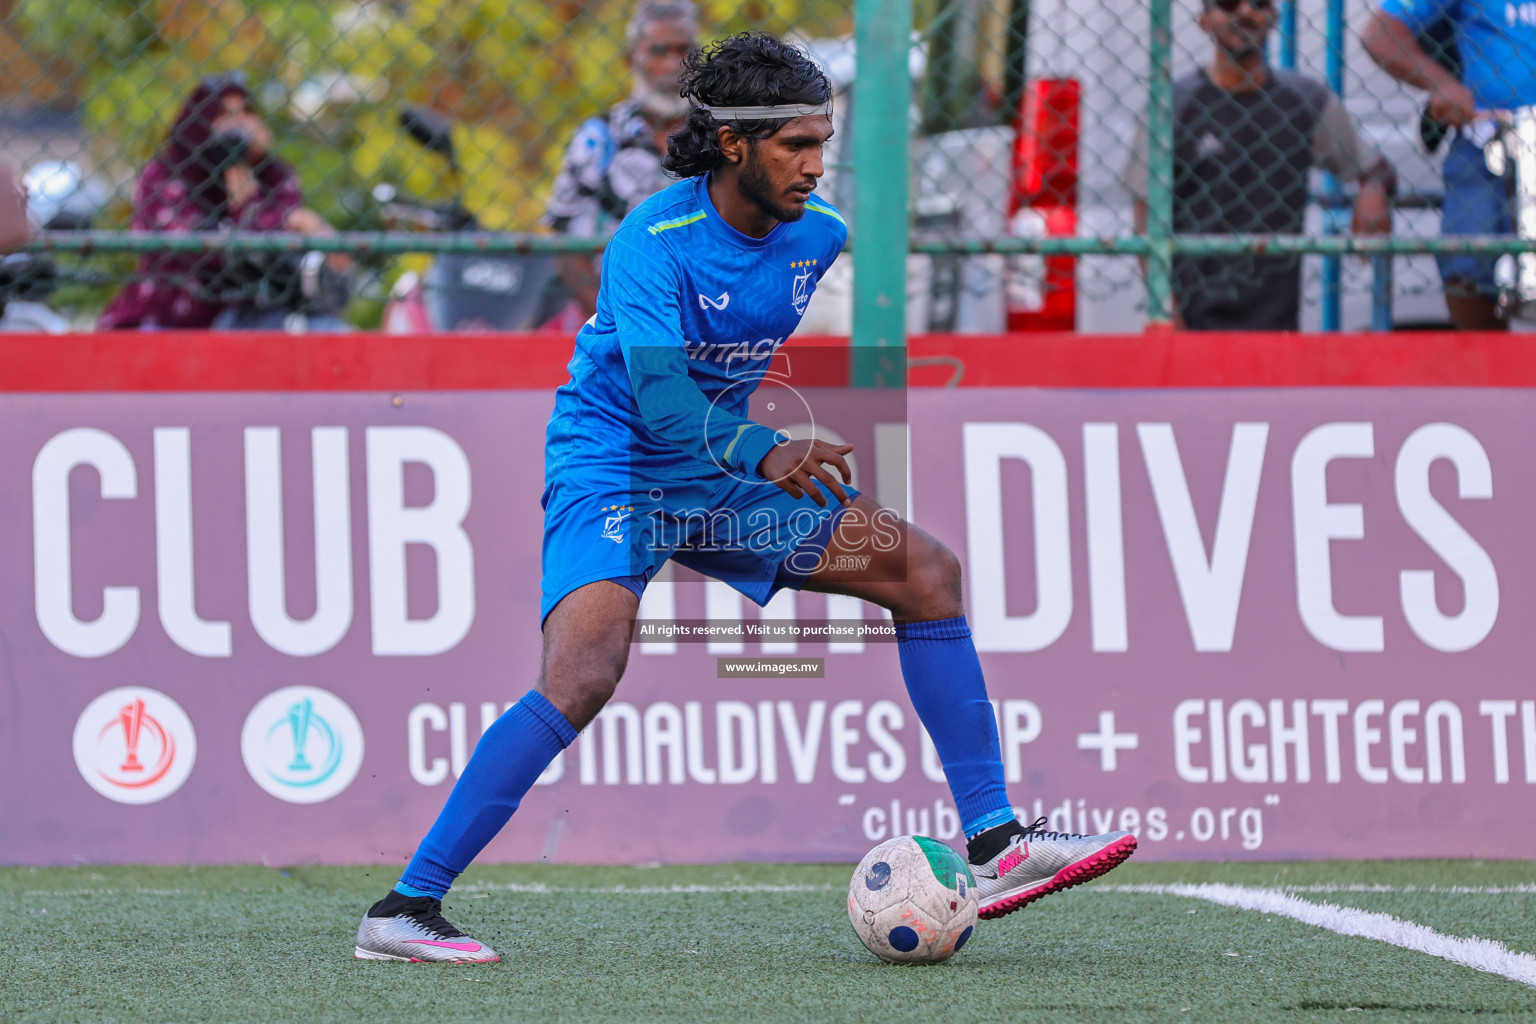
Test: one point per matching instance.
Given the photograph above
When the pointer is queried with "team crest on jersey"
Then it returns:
(616, 522)
(800, 292)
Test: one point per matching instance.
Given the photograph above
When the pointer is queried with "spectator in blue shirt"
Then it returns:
(1497, 41)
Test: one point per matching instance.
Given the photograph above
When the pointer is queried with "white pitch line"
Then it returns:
(1459, 890)
(635, 890)
(1479, 954)
(524, 888)
(107, 892)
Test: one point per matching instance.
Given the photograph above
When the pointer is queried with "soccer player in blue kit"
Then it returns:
(652, 430)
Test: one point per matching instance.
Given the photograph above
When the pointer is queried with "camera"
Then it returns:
(225, 149)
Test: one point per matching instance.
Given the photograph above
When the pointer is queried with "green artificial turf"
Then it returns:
(257, 944)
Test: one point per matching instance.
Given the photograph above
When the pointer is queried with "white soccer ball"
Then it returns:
(913, 900)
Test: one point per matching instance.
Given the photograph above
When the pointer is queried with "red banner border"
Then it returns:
(202, 361)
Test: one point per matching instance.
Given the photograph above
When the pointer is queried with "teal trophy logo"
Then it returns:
(299, 717)
(302, 744)
(304, 725)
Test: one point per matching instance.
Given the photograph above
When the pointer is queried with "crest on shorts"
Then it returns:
(615, 522)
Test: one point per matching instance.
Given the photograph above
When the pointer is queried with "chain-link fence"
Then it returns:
(460, 160)
(1264, 98)
(400, 120)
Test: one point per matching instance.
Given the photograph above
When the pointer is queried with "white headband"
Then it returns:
(771, 113)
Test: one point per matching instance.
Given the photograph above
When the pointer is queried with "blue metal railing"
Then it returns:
(1336, 211)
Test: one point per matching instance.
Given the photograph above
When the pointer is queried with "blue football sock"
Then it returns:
(508, 758)
(943, 676)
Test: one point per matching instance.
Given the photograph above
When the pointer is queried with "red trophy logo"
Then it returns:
(134, 745)
(137, 724)
(133, 724)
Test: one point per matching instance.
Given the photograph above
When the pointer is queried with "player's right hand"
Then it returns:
(799, 466)
(1451, 104)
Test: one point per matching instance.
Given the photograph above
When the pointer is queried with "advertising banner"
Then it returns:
(1263, 623)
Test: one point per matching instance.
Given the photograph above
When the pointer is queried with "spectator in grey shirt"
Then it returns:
(1245, 137)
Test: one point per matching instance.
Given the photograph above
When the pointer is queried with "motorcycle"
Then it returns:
(296, 293)
(461, 291)
(26, 281)
(1509, 151)
(59, 198)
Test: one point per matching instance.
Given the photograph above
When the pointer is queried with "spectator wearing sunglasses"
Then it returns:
(1496, 41)
(613, 162)
(1245, 138)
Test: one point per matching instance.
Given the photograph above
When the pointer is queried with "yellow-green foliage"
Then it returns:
(516, 75)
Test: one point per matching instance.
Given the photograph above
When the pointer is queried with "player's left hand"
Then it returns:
(798, 466)
(1373, 212)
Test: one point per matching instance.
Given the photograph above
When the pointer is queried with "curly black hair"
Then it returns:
(749, 69)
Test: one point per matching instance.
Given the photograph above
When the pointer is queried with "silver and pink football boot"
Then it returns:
(1039, 862)
(413, 929)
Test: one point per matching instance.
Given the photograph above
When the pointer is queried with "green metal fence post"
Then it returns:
(1016, 54)
(881, 98)
(1160, 167)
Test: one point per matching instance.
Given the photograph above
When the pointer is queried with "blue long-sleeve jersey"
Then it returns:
(689, 314)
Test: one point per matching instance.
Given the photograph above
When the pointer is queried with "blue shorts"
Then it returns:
(1476, 203)
(606, 525)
